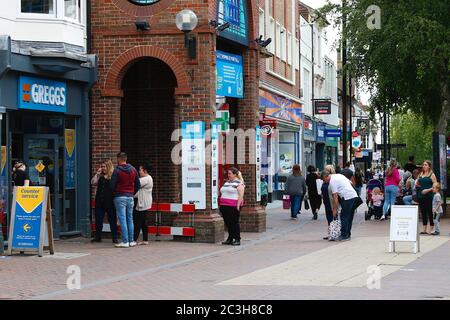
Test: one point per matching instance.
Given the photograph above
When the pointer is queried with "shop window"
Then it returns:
(38, 6)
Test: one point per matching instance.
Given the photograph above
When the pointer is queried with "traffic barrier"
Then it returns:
(160, 208)
(158, 229)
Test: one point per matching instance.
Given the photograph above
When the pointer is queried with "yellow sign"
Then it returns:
(3, 158)
(39, 167)
(29, 198)
(70, 141)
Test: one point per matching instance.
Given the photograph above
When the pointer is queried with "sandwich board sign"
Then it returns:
(31, 227)
(404, 226)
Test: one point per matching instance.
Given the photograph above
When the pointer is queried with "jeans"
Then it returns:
(140, 220)
(437, 218)
(112, 219)
(358, 190)
(407, 200)
(389, 198)
(296, 205)
(347, 214)
(124, 208)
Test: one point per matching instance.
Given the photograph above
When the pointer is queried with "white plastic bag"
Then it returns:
(319, 183)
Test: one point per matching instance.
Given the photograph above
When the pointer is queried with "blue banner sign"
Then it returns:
(229, 75)
(42, 94)
(234, 12)
(333, 133)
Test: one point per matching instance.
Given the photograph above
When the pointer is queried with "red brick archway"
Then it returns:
(112, 85)
(142, 11)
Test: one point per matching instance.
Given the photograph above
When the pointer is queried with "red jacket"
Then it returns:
(125, 181)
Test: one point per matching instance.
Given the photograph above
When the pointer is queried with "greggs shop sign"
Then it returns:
(42, 94)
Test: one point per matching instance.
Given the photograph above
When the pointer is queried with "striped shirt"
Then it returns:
(229, 193)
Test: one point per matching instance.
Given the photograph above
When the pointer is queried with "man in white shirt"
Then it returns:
(342, 188)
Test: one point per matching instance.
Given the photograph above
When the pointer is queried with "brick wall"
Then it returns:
(140, 121)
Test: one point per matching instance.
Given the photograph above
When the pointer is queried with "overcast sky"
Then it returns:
(332, 36)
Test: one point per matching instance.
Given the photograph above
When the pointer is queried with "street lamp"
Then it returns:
(186, 21)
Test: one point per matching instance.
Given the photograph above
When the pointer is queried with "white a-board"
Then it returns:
(404, 226)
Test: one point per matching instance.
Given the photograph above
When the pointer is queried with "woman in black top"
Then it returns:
(20, 176)
(315, 199)
(104, 201)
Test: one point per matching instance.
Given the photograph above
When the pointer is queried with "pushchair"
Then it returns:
(372, 184)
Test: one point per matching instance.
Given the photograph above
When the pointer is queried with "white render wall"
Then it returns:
(23, 27)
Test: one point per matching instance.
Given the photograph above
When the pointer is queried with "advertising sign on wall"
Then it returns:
(229, 75)
(234, 12)
(322, 107)
(193, 164)
(214, 165)
(70, 144)
(42, 94)
(258, 164)
(281, 108)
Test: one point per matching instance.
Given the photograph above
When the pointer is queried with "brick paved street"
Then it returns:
(289, 261)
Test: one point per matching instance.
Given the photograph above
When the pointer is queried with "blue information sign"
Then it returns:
(229, 75)
(333, 133)
(42, 94)
(234, 12)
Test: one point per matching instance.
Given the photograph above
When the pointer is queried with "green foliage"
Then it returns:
(407, 128)
(405, 63)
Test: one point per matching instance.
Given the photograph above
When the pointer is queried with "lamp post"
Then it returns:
(186, 21)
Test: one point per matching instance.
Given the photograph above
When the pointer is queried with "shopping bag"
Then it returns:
(306, 204)
(286, 202)
(334, 230)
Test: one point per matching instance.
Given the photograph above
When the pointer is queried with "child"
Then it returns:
(377, 200)
(264, 192)
(437, 207)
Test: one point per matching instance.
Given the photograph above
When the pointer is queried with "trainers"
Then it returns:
(326, 238)
(382, 218)
(122, 245)
(315, 216)
(435, 233)
(344, 239)
(133, 244)
(236, 243)
(228, 241)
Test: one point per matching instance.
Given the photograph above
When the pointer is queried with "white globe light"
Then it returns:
(186, 20)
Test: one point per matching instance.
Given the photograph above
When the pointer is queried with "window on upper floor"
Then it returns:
(60, 9)
(38, 6)
(262, 28)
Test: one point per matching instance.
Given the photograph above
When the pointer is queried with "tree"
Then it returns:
(405, 61)
(407, 128)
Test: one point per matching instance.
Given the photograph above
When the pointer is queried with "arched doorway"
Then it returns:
(147, 119)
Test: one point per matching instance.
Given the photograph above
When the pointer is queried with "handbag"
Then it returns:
(334, 230)
(357, 203)
(306, 204)
(286, 201)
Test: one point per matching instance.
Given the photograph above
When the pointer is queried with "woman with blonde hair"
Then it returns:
(104, 201)
(296, 189)
(231, 201)
(424, 192)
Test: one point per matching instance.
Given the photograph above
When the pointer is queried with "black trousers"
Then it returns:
(426, 208)
(315, 201)
(231, 218)
(112, 219)
(140, 221)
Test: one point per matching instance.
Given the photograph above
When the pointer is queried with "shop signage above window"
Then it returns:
(322, 106)
(229, 75)
(333, 133)
(281, 108)
(235, 13)
(42, 94)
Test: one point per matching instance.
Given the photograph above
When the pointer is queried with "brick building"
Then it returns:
(280, 104)
(148, 86)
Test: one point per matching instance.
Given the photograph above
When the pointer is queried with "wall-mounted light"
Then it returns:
(142, 25)
(219, 27)
(263, 43)
(186, 21)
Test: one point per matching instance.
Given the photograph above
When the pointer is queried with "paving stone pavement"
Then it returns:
(184, 270)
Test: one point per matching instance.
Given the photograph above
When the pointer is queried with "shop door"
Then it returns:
(42, 160)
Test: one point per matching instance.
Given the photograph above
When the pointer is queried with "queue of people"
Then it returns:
(117, 189)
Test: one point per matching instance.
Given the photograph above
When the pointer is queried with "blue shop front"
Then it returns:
(45, 123)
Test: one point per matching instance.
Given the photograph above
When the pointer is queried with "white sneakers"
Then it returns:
(133, 244)
(122, 245)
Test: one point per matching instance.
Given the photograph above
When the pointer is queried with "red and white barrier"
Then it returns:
(163, 230)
